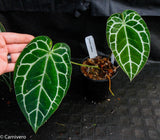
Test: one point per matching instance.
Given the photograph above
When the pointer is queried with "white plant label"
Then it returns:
(91, 47)
(112, 58)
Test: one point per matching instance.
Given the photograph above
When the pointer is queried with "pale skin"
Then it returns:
(13, 44)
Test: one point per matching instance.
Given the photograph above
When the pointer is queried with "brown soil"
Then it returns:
(106, 68)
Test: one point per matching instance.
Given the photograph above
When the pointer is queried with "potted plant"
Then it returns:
(42, 73)
(97, 81)
(129, 40)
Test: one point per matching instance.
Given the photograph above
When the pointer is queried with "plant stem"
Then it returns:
(7, 79)
(61, 124)
(82, 65)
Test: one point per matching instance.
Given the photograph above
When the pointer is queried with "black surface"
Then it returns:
(133, 114)
(80, 7)
(66, 28)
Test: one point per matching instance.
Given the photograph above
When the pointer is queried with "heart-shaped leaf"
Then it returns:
(41, 78)
(129, 39)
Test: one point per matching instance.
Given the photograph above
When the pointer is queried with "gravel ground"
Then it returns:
(133, 114)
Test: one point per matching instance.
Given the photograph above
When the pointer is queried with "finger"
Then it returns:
(15, 48)
(16, 38)
(10, 67)
(2, 42)
(14, 57)
(3, 48)
(3, 57)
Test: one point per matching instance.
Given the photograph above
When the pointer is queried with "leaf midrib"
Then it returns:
(38, 101)
(129, 53)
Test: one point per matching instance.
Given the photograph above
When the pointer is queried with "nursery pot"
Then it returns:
(96, 90)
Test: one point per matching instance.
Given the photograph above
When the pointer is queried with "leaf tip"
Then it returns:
(130, 79)
(35, 129)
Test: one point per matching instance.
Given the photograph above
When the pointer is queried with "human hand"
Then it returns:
(13, 44)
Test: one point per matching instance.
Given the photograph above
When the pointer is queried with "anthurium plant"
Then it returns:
(42, 73)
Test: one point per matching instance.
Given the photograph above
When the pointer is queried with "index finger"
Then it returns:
(16, 38)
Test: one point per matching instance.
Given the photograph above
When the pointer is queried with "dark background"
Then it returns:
(133, 114)
(71, 21)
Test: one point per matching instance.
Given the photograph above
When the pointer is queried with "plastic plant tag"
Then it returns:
(91, 47)
(112, 58)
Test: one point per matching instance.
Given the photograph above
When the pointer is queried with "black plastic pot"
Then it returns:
(96, 90)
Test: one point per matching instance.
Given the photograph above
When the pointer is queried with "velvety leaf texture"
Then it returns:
(129, 39)
(41, 79)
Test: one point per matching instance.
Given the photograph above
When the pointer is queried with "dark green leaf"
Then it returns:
(41, 78)
(129, 39)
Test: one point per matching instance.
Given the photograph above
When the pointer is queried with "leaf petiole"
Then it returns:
(82, 65)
